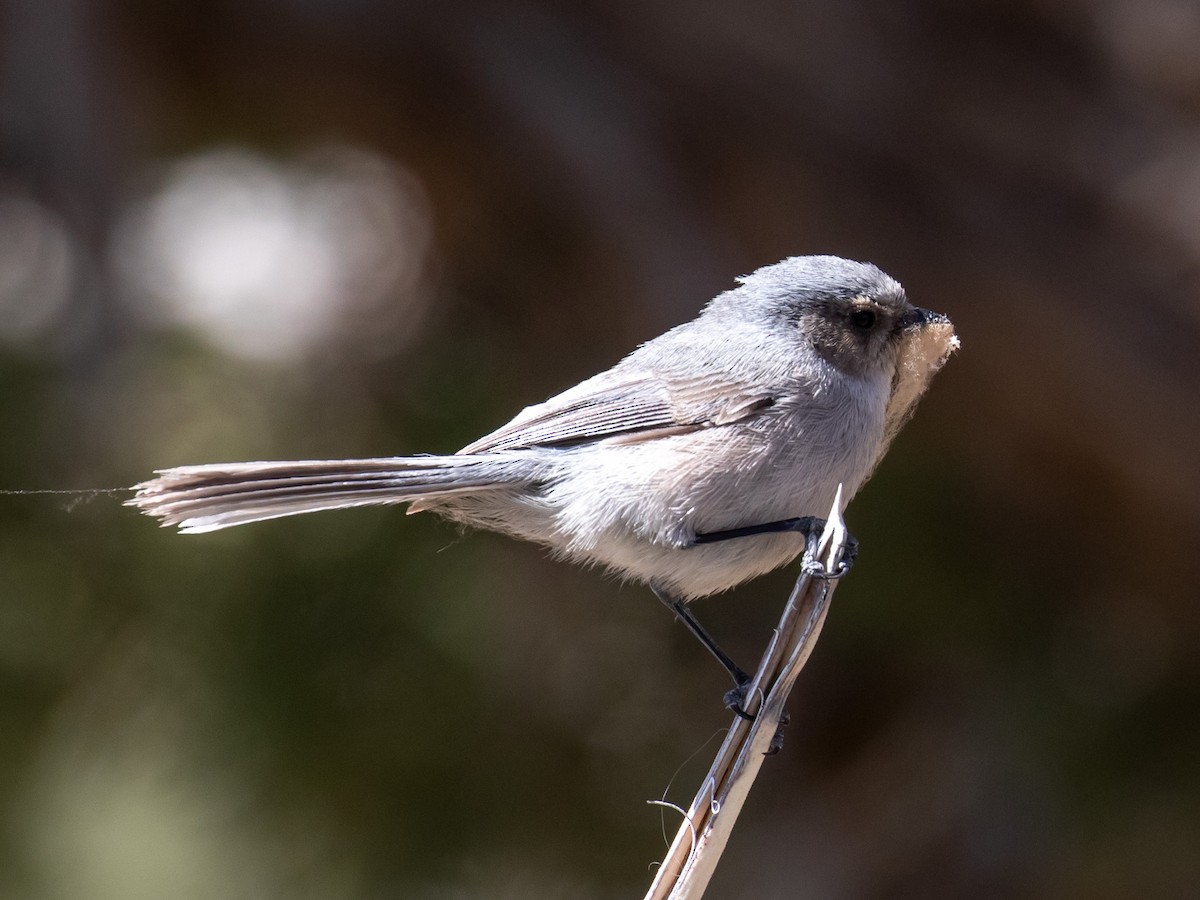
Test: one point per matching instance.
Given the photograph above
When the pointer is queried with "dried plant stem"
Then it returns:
(701, 838)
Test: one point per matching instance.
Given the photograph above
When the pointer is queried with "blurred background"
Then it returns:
(303, 228)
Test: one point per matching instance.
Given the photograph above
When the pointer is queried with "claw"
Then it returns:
(810, 526)
(735, 699)
(777, 739)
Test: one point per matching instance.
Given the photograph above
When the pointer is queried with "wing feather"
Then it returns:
(623, 404)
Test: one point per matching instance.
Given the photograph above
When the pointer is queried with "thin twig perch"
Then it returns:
(702, 836)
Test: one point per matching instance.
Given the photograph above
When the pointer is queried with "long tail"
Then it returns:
(210, 497)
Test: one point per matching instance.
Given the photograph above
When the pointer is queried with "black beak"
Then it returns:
(919, 318)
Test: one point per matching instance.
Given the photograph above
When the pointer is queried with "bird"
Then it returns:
(699, 461)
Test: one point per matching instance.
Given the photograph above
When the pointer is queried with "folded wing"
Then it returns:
(635, 405)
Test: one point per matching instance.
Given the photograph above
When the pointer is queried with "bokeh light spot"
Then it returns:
(269, 259)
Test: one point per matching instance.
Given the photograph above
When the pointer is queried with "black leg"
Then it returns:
(806, 525)
(735, 698)
(810, 526)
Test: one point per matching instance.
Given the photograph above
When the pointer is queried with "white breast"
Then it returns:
(635, 507)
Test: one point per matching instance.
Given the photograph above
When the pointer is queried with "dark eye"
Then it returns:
(863, 319)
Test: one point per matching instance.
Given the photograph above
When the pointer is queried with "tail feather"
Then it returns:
(211, 497)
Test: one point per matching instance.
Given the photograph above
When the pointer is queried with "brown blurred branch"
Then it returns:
(701, 838)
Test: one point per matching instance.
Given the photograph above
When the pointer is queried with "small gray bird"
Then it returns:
(695, 463)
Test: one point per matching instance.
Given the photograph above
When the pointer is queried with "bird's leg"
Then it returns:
(735, 698)
(810, 526)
